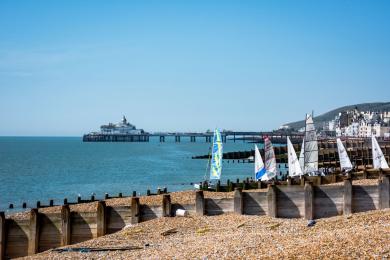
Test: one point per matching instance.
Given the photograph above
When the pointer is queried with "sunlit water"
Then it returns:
(44, 168)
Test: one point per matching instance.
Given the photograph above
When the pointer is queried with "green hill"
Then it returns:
(318, 120)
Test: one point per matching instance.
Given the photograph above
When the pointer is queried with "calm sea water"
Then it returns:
(44, 168)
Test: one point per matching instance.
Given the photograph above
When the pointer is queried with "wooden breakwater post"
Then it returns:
(272, 200)
(135, 210)
(199, 203)
(33, 237)
(65, 225)
(101, 216)
(384, 192)
(2, 236)
(238, 201)
(309, 197)
(347, 205)
(166, 206)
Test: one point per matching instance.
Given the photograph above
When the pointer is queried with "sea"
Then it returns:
(42, 168)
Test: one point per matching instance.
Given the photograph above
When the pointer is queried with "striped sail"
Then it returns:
(294, 168)
(270, 160)
(259, 165)
(311, 147)
(345, 162)
(378, 159)
(216, 158)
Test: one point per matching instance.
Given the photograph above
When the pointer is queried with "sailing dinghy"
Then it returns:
(216, 159)
(294, 168)
(345, 162)
(270, 161)
(378, 160)
(259, 165)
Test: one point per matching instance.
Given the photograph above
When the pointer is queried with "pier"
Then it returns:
(193, 137)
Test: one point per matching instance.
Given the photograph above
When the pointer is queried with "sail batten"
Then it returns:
(345, 162)
(378, 158)
(310, 147)
(216, 158)
(294, 168)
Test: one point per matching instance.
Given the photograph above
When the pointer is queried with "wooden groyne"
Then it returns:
(358, 152)
(308, 199)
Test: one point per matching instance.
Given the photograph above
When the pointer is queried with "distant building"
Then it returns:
(356, 123)
(123, 127)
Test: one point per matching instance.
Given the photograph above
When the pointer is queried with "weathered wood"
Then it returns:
(33, 238)
(347, 206)
(271, 198)
(135, 212)
(309, 195)
(255, 203)
(238, 201)
(199, 203)
(218, 206)
(101, 223)
(2, 236)
(65, 225)
(384, 192)
(166, 205)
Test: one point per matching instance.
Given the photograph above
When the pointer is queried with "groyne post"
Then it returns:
(65, 225)
(199, 203)
(384, 192)
(33, 237)
(238, 201)
(2, 236)
(135, 216)
(166, 205)
(309, 200)
(271, 199)
(347, 205)
(101, 223)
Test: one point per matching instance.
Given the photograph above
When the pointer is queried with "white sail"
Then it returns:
(378, 159)
(259, 165)
(311, 147)
(345, 162)
(294, 168)
(270, 160)
(302, 154)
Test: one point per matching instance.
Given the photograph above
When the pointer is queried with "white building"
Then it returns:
(122, 127)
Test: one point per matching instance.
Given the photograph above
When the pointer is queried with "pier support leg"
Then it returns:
(65, 225)
(347, 206)
(199, 203)
(101, 219)
(271, 198)
(384, 192)
(33, 238)
(309, 194)
(166, 205)
(238, 201)
(135, 214)
(2, 236)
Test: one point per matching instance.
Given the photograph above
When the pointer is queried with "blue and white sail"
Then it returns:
(345, 162)
(294, 168)
(270, 160)
(216, 158)
(378, 160)
(259, 165)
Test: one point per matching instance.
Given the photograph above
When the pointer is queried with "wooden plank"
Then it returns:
(101, 222)
(219, 206)
(365, 198)
(118, 218)
(199, 203)
(2, 235)
(255, 203)
(290, 202)
(33, 239)
(238, 201)
(50, 231)
(83, 226)
(328, 201)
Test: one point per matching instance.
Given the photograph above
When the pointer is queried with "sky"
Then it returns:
(67, 67)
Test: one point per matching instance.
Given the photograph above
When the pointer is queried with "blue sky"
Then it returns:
(66, 67)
